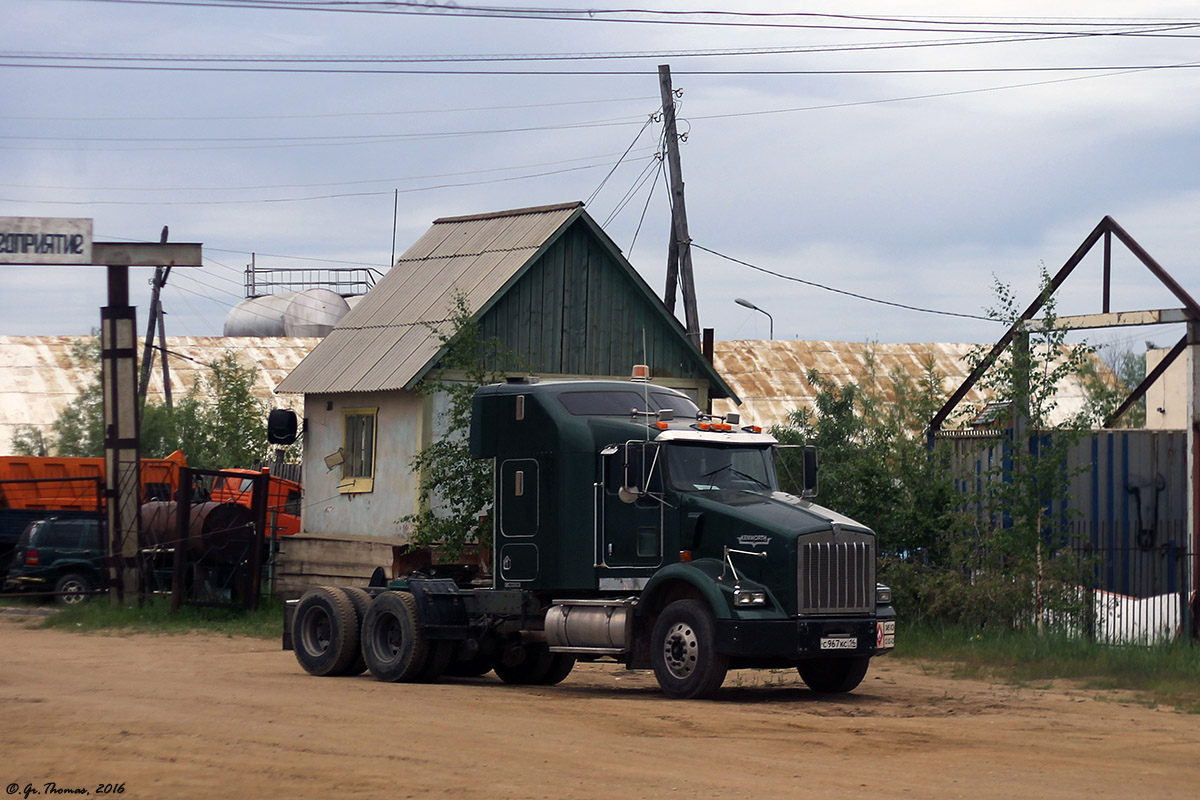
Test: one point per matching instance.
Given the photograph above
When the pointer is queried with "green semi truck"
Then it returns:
(628, 526)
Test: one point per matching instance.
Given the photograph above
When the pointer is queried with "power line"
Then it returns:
(432, 9)
(649, 119)
(310, 185)
(338, 196)
(842, 291)
(164, 62)
(936, 95)
(330, 139)
(339, 115)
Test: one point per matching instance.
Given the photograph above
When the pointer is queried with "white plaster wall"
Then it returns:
(1166, 399)
(400, 426)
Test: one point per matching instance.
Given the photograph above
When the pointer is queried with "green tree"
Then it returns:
(28, 440)
(1108, 382)
(218, 424)
(455, 490)
(79, 428)
(874, 465)
(1025, 493)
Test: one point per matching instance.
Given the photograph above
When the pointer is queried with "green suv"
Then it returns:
(61, 555)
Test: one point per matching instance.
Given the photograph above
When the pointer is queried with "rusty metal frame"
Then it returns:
(1106, 229)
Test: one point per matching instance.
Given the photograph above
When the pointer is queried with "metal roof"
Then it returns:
(770, 376)
(41, 375)
(389, 340)
(385, 341)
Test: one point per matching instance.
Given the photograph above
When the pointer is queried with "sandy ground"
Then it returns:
(201, 716)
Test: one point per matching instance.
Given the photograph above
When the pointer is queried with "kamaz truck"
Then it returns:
(628, 526)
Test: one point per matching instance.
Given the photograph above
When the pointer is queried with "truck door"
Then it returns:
(631, 513)
(518, 511)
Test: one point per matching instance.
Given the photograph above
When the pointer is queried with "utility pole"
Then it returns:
(679, 253)
(155, 315)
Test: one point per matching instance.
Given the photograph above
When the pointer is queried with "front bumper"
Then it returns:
(803, 638)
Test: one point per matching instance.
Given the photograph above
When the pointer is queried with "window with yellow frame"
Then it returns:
(358, 450)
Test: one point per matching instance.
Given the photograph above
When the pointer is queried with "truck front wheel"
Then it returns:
(393, 645)
(833, 675)
(683, 651)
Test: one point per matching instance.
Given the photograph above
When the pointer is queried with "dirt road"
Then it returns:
(201, 716)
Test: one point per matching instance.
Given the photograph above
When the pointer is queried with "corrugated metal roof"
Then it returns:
(384, 343)
(769, 376)
(40, 375)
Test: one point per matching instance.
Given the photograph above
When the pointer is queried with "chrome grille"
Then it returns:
(837, 573)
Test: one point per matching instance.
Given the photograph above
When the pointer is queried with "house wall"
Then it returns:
(403, 423)
(1166, 399)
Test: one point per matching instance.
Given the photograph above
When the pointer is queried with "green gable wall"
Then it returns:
(576, 311)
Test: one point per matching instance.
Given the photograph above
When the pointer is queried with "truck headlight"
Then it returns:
(749, 597)
(883, 595)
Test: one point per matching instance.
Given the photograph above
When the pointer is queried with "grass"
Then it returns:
(1167, 674)
(156, 617)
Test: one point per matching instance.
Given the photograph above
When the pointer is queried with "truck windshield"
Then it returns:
(697, 467)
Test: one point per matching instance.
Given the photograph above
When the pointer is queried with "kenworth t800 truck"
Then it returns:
(629, 526)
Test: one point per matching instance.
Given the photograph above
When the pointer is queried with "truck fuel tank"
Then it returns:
(595, 627)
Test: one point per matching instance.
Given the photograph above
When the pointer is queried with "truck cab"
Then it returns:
(624, 501)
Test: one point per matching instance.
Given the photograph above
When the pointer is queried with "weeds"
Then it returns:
(1164, 674)
(156, 617)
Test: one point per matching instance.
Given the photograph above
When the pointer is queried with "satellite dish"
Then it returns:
(628, 494)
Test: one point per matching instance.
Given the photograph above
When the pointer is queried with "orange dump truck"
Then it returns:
(77, 484)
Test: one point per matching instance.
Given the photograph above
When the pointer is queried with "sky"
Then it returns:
(884, 150)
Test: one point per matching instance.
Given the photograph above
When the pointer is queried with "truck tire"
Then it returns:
(325, 631)
(393, 645)
(683, 651)
(833, 675)
(72, 588)
(361, 602)
(441, 652)
(561, 665)
(532, 668)
(473, 667)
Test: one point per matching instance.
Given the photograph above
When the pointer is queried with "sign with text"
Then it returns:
(45, 240)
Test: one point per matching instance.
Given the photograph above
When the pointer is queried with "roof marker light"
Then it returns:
(641, 372)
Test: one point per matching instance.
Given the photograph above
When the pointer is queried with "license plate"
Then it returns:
(885, 634)
(838, 643)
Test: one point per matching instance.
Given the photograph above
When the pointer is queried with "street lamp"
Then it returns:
(753, 307)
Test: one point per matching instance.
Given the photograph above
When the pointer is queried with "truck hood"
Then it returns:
(775, 512)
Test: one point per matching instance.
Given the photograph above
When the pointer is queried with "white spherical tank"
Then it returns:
(312, 312)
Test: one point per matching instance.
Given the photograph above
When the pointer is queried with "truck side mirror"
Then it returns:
(631, 488)
(810, 471)
(282, 426)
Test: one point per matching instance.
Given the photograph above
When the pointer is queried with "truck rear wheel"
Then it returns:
(325, 631)
(531, 668)
(833, 675)
(440, 654)
(683, 651)
(393, 646)
(561, 665)
(473, 667)
(361, 602)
